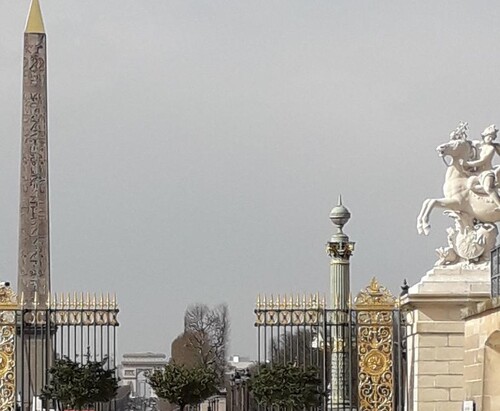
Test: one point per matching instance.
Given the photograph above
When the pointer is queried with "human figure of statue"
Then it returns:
(487, 177)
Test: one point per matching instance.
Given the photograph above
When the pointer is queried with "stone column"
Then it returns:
(436, 335)
(339, 248)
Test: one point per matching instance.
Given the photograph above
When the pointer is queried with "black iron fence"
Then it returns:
(33, 338)
(359, 353)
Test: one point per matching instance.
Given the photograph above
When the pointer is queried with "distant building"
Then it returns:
(237, 362)
(134, 367)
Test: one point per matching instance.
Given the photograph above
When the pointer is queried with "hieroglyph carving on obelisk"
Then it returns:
(34, 256)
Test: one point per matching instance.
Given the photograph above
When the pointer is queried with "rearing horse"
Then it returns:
(457, 189)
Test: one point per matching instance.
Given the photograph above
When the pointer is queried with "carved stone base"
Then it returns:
(456, 281)
(436, 334)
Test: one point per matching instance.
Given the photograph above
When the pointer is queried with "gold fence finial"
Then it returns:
(375, 296)
(8, 297)
(374, 286)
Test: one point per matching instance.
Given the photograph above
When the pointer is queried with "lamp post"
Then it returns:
(245, 379)
(239, 384)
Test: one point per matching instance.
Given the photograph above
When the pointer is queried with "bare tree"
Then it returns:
(207, 332)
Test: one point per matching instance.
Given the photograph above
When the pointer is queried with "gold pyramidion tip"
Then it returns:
(34, 24)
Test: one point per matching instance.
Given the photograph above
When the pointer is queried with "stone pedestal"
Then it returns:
(436, 335)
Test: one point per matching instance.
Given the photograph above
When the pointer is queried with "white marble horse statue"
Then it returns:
(470, 183)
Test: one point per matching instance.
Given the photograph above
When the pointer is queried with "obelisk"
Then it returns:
(34, 249)
(340, 249)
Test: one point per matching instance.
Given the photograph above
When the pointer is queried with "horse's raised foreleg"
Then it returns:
(427, 207)
(421, 216)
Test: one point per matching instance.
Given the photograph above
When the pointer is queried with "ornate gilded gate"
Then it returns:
(359, 352)
(8, 307)
(377, 338)
(80, 328)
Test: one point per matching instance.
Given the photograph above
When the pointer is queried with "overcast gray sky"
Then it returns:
(197, 147)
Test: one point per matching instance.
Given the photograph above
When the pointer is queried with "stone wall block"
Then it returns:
(427, 340)
(426, 406)
(425, 354)
(432, 367)
(456, 340)
(457, 394)
(426, 381)
(449, 353)
(456, 367)
(434, 394)
(450, 381)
